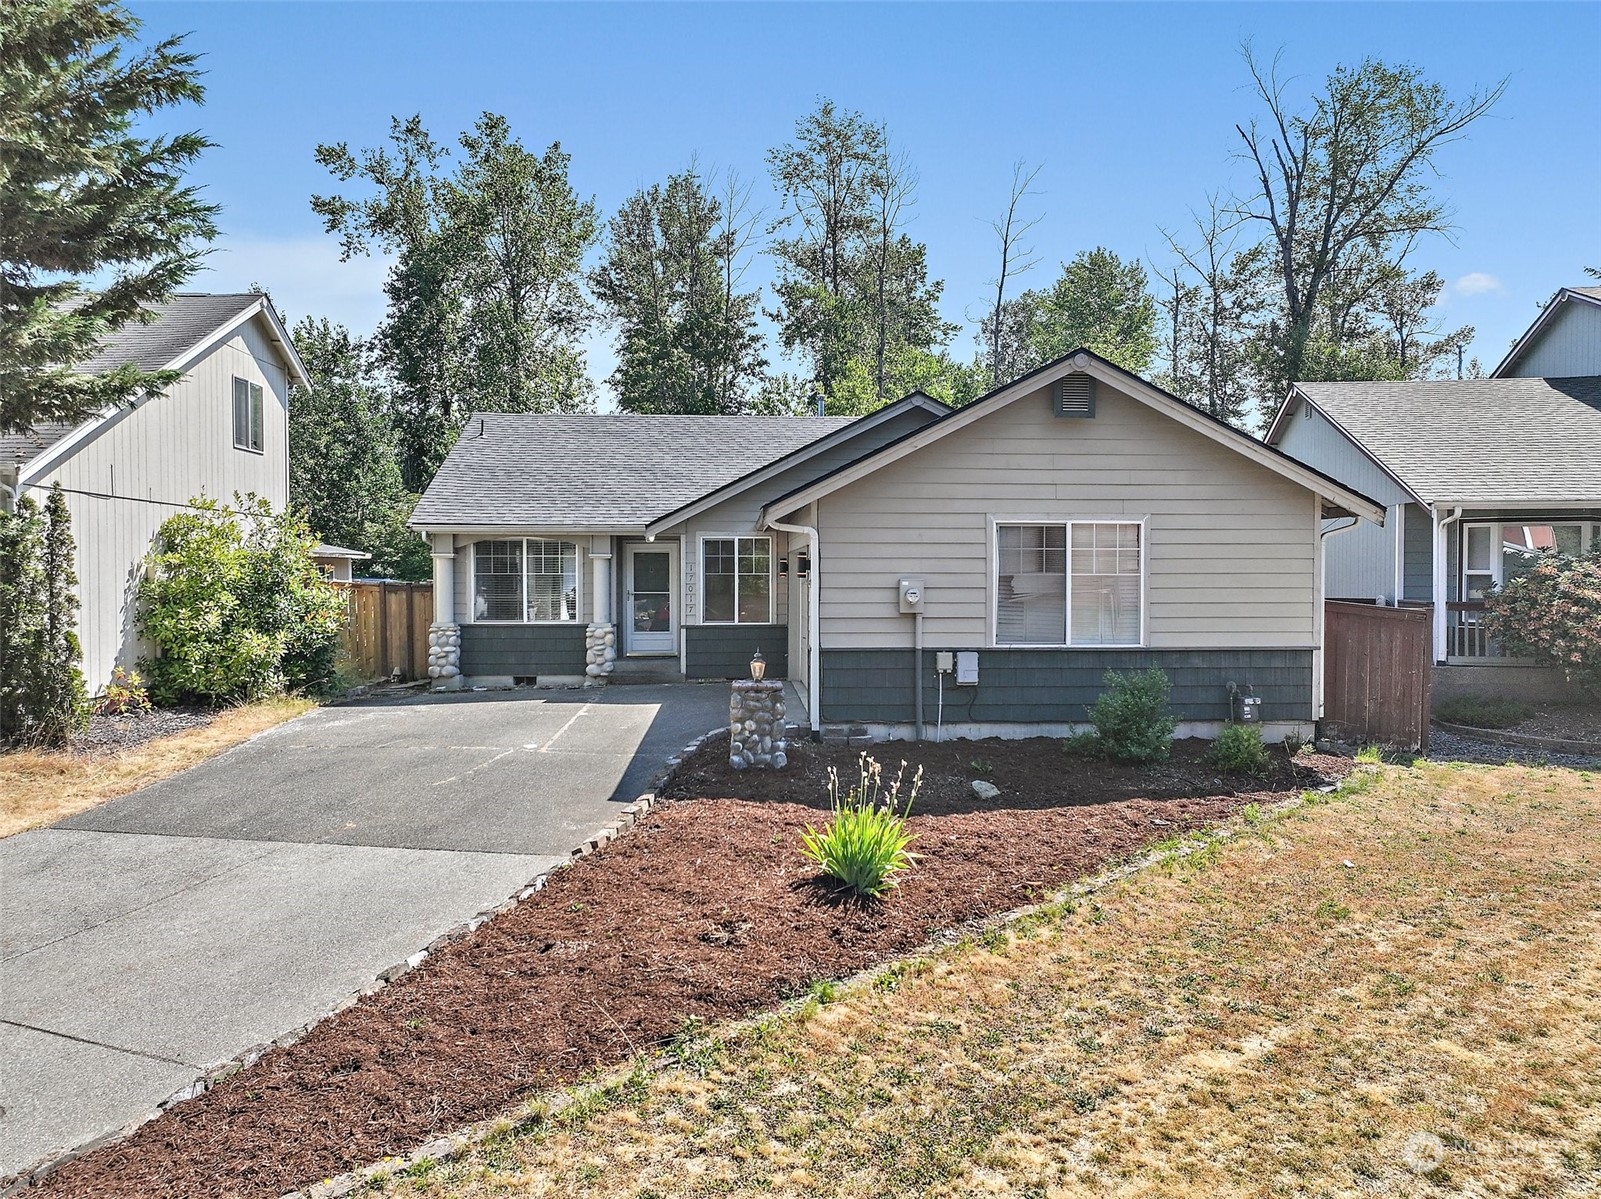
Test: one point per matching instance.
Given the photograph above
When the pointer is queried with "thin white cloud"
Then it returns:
(1476, 283)
(303, 275)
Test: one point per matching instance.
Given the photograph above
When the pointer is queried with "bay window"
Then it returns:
(737, 580)
(1069, 583)
(525, 580)
(1495, 554)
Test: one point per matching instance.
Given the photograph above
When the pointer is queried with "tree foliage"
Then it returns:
(485, 309)
(853, 288)
(83, 197)
(41, 687)
(344, 472)
(232, 600)
(1098, 302)
(670, 283)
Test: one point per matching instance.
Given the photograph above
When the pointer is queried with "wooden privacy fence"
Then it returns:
(387, 628)
(1377, 665)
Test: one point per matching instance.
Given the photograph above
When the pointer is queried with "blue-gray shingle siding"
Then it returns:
(522, 650)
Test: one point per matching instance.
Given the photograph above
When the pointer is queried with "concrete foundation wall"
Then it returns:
(1527, 684)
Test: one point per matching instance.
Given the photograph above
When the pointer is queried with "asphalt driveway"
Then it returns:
(173, 928)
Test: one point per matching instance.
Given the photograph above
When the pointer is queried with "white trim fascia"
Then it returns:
(68, 445)
(1562, 296)
(700, 573)
(1135, 388)
(520, 530)
(1532, 505)
(1350, 437)
(795, 458)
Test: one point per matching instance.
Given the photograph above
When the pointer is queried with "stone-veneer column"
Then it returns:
(756, 725)
(444, 654)
(600, 650)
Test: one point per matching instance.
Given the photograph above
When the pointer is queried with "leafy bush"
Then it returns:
(125, 694)
(234, 603)
(1239, 750)
(1483, 711)
(1131, 717)
(41, 688)
(1553, 615)
(864, 845)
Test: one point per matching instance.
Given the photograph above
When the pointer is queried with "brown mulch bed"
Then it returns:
(1570, 722)
(113, 734)
(705, 909)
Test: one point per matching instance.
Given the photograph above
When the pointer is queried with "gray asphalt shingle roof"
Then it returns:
(1482, 441)
(181, 323)
(600, 471)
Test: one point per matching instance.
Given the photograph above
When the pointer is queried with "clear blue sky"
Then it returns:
(1129, 107)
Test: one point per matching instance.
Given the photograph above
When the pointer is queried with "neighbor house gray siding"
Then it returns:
(725, 651)
(1419, 554)
(1360, 563)
(1056, 686)
(1567, 347)
(1231, 546)
(522, 650)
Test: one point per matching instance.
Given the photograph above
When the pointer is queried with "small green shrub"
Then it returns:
(125, 694)
(1552, 613)
(1239, 750)
(1131, 717)
(865, 843)
(1483, 711)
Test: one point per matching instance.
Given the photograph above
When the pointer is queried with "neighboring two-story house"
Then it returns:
(1479, 476)
(221, 429)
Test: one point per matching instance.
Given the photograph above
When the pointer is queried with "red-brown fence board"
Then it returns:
(387, 628)
(1377, 666)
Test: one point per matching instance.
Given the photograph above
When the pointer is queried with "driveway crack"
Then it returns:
(67, 1036)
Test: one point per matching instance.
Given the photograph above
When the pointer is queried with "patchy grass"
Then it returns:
(39, 788)
(1394, 990)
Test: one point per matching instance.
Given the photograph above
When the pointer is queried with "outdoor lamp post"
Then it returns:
(758, 665)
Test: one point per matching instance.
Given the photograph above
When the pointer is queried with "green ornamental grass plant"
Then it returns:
(865, 845)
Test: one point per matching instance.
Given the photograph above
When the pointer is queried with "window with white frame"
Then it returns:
(249, 416)
(736, 580)
(1495, 554)
(1068, 583)
(525, 580)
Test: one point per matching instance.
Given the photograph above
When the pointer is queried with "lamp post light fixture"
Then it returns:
(758, 666)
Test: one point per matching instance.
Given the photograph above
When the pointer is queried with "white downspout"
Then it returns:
(814, 688)
(1318, 614)
(1441, 566)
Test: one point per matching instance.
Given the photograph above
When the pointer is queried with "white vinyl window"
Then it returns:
(1495, 554)
(1069, 583)
(736, 580)
(527, 581)
(249, 417)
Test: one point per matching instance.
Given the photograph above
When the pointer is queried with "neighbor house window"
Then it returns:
(525, 580)
(1495, 554)
(1068, 583)
(737, 574)
(248, 416)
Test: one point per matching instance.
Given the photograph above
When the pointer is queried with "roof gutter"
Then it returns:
(814, 688)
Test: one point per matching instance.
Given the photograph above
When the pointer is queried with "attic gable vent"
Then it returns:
(1075, 396)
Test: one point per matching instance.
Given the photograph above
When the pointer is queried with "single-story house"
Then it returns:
(335, 562)
(1076, 520)
(1478, 477)
(222, 428)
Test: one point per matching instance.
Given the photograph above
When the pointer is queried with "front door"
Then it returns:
(650, 621)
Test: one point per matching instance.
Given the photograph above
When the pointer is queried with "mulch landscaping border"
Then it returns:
(38, 1171)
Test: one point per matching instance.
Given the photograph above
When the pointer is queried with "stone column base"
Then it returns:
(756, 725)
(444, 655)
(600, 652)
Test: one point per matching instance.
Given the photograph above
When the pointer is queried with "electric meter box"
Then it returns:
(967, 668)
(911, 595)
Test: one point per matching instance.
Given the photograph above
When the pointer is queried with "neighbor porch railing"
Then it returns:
(1467, 638)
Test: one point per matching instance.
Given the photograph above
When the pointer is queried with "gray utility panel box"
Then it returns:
(967, 668)
(1249, 709)
(911, 595)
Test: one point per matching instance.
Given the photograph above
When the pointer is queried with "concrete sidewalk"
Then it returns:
(171, 929)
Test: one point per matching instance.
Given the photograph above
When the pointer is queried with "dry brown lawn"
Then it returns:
(1393, 991)
(39, 788)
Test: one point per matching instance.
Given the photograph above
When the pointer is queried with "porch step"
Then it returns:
(646, 670)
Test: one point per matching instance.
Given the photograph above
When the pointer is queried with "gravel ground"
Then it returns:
(1453, 747)
(112, 734)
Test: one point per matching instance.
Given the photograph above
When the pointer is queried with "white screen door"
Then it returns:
(650, 617)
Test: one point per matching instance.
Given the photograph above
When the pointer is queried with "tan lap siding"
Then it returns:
(1230, 546)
